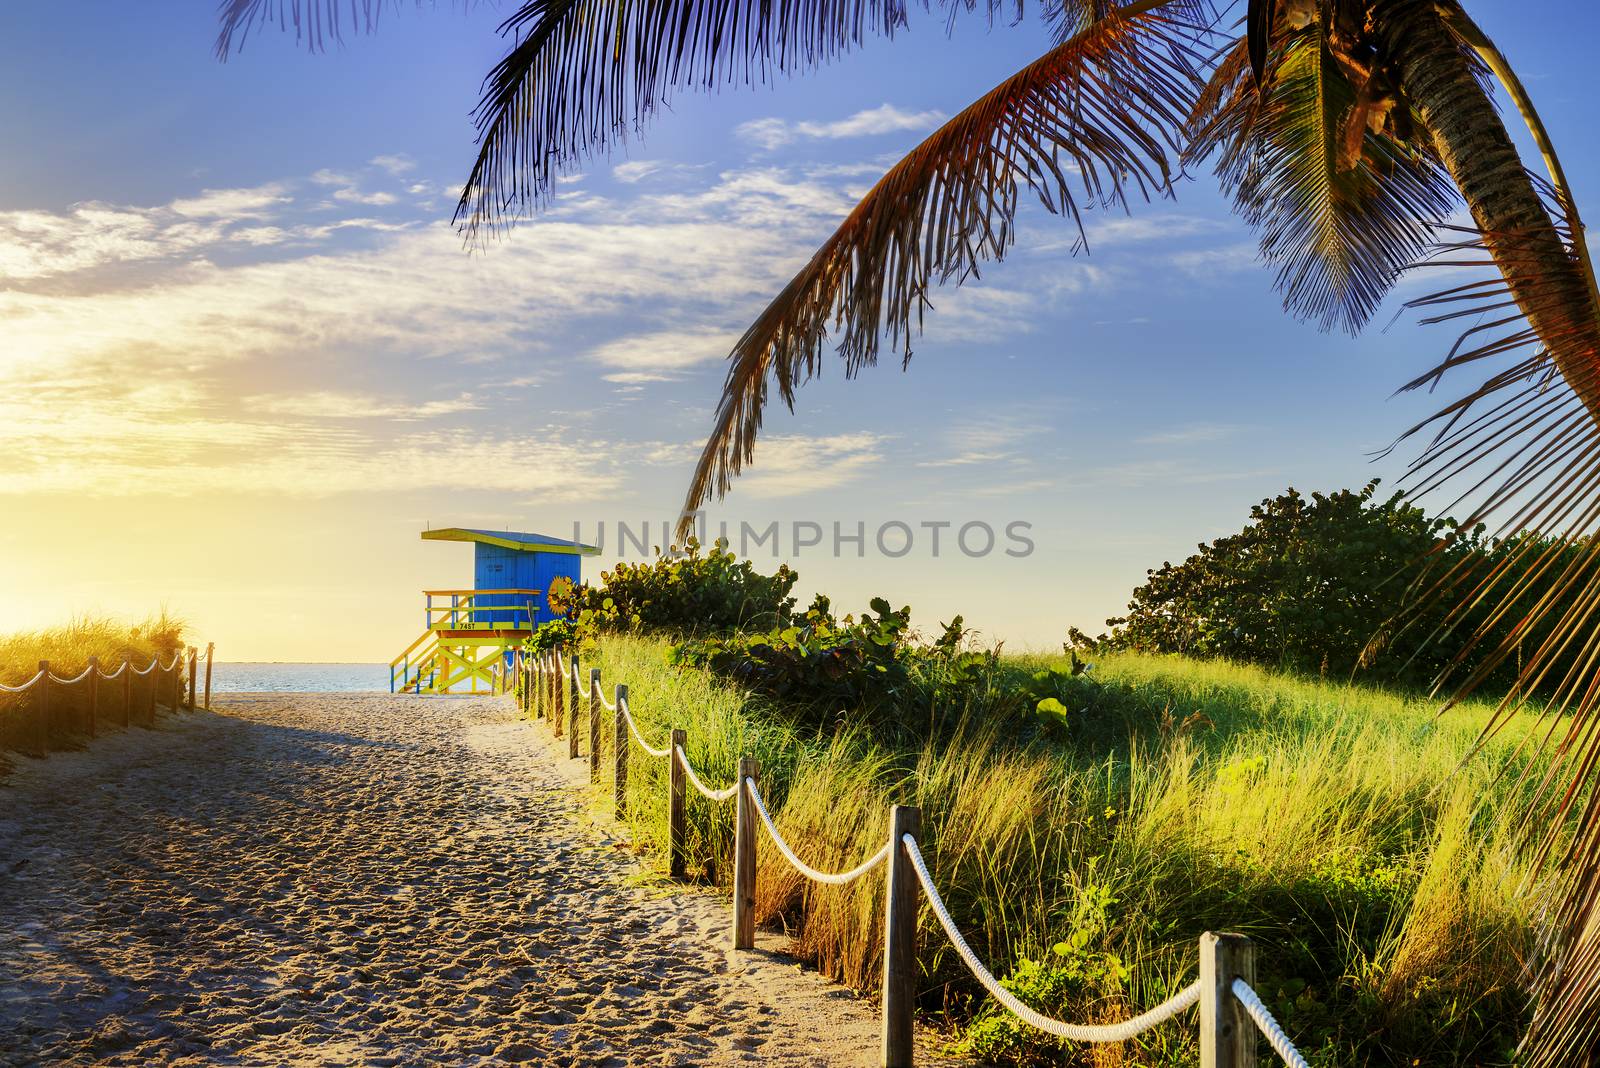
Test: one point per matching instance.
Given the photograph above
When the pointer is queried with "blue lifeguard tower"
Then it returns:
(468, 635)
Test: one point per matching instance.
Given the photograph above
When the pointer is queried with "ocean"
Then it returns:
(299, 678)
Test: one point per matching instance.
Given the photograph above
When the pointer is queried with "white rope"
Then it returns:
(831, 878)
(609, 706)
(688, 769)
(115, 674)
(25, 686)
(1073, 1032)
(70, 682)
(153, 662)
(1269, 1026)
(176, 658)
(634, 729)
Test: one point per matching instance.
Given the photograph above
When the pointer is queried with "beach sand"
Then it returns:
(367, 880)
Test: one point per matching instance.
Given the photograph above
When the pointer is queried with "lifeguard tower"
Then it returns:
(468, 635)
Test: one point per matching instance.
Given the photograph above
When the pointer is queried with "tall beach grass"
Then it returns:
(1355, 836)
(68, 649)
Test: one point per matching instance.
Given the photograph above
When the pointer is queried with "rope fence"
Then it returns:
(58, 706)
(1232, 1015)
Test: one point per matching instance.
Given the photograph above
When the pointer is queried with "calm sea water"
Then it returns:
(299, 678)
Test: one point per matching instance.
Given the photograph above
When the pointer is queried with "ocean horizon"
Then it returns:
(292, 677)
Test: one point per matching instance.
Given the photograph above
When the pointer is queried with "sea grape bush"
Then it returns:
(816, 659)
(1330, 584)
(691, 592)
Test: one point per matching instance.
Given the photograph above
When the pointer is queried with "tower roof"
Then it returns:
(511, 539)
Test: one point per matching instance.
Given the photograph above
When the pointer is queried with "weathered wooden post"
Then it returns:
(621, 753)
(677, 796)
(211, 653)
(127, 692)
(41, 709)
(537, 682)
(1227, 1034)
(557, 692)
(94, 693)
(900, 941)
(177, 684)
(571, 682)
(154, 675)
(594, 724)
(744, 857)
(194, 663)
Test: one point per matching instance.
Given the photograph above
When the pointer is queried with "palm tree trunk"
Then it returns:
(1552, 290)
(1547, 284)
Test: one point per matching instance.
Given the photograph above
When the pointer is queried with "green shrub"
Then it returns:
(1334, 583)
(687, 593)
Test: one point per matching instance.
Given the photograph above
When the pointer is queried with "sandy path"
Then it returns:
(355, 879)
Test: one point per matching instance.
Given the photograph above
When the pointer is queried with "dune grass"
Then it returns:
(1345, 829)
(68, 649)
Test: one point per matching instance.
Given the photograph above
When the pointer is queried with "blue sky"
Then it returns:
(248, 359)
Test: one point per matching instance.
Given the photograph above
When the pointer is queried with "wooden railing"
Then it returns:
(53, 708)
(465, 612)
(550, 686)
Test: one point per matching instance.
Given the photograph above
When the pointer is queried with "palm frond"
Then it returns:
(1092, 122)
(315, 22)
(1342, 210)
(584, 74)
(1522, 451)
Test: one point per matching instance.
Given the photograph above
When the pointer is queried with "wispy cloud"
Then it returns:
(792, 464)
(1191, 434)
(250, 203)
(396, 164)
(666, 350)
(774, 133)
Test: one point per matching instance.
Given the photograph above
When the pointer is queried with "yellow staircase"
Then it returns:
(466, 645)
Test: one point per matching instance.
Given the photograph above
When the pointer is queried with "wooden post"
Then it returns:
(211, 652)
(177, 684)
(571, 682)
(94, 693)
(557, 692)
(594, 724)
(744, 857)
(194, 655)
(154, 675)
(1227, 1034)
(41, 709)
(621, 754)
(677, 795)
(900, 941)
(127, 692)
(536, 680)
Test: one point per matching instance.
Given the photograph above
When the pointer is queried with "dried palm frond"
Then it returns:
(1091, 122)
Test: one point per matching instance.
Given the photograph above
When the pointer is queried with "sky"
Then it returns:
(245, 359)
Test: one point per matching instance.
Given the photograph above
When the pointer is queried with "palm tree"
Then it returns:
(1347, 132)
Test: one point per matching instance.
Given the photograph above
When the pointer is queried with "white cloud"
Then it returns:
(774, 133)
(636, 378)
(328, 404)
(786, 465)
(1190, 434)
(396, 164)
(1203, 263)
(356, 196)
(666, 350)
(634, 170)
(232, 203)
